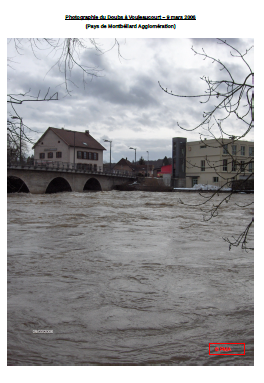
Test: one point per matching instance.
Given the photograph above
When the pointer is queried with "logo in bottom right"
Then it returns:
(227, 349)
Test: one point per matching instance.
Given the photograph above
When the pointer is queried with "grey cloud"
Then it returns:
(127, 97)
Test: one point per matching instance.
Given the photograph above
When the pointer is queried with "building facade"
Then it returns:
(70, 147)
(126, 166)
(211, 162)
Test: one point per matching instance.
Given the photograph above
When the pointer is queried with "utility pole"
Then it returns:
(135, 154)
(110, 152)
(74, 149)
(147, 163)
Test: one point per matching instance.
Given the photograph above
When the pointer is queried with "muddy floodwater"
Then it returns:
(127, 278)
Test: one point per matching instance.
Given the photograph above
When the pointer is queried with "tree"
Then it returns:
(141, 161)
(16, 147)
(166, 161)
(227, 98)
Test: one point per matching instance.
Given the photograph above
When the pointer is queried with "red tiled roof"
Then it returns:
(71, 138)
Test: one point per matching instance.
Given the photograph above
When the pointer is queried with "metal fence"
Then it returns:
(66, 166)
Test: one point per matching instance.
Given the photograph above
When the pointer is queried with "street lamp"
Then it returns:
(74, 149)
(147, 163)
(135, 154)
(110, 150)
(20, 136)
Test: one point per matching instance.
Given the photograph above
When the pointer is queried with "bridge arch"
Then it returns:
(16, 185)
(58, 185)
(92, 184)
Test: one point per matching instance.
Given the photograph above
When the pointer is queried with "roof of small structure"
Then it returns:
(124, 162)
(166, 169)
(73, 138)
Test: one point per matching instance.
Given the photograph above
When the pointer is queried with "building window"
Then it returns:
(224, 165)
(215, 179)
(250, 167)
(225, 149)
(182, 147)
(50, 154)
(87, 155)
(234, 150)
(242, 166)
(234, 166)
(95, 167)
(194, 181)
(41, 155)
(58, 154)
(242, 150)
(202, 165)
(251, 151)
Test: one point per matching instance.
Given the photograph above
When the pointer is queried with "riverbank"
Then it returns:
(157, 185)
(145, 184)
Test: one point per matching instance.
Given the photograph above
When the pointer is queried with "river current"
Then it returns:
(127, 278)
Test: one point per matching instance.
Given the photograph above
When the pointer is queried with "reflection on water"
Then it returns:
(126, 278)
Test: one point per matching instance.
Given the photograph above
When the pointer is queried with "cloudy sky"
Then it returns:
(124, 103)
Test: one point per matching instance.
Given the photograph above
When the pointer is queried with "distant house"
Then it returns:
(165, 173)
(68, 146)
(157, 172)
(124, 166)
(141, 170)
(150, 170)
(167, 169)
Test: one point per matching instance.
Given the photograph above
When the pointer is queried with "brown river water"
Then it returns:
(127, 278)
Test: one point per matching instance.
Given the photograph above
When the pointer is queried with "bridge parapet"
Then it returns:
(66, 167)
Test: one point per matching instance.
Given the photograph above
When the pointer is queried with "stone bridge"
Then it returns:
(44, 180)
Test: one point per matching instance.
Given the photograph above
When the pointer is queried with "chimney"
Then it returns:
(87, 132)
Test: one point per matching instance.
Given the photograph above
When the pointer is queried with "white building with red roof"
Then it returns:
(68, 146)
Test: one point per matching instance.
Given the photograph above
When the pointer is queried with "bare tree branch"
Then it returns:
(226, 98)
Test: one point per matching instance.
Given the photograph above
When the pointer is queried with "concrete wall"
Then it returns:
(166, 179)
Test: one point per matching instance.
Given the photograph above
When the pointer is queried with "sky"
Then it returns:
(124, 102)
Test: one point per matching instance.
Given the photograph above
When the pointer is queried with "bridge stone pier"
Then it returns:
(40, 181)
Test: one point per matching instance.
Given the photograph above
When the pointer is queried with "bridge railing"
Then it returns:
(68, 166)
